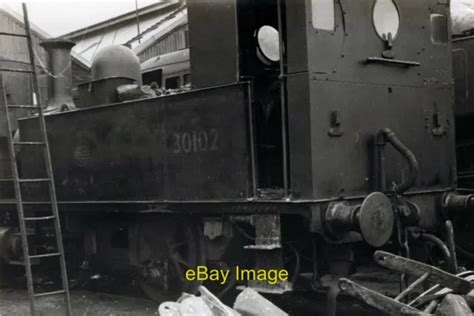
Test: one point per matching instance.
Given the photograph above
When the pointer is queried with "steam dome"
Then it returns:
(116, 61)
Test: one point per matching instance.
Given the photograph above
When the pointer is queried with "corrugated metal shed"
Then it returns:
(123, 29)
(14, 54)
(167, 39)
(15, 48)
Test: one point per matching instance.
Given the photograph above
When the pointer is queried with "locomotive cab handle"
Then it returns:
(387, 136)
(393, 62)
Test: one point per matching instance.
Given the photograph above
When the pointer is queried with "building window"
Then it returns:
(152, 76)
(186, 79)
(323, 15)
(172, 83)
(186, 37)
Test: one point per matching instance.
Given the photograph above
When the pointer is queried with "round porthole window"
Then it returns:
(268, 42)
(386, 18)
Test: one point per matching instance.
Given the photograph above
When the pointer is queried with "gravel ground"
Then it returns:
(15, 302)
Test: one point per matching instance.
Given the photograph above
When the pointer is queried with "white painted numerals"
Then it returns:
(196, 141)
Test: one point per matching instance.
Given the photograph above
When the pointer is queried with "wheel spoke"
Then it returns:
(177, 242)
(177, 245)
(287, 259)
(180, 259)
(178, 269)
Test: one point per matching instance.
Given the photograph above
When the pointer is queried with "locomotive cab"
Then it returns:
(342, 73)
(242, 44)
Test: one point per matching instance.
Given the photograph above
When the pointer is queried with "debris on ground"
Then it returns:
(453, 305)
(247, 303)
(450, 294)
(190, 305)
(251, 303)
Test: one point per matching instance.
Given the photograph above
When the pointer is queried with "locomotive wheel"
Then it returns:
(164, 249)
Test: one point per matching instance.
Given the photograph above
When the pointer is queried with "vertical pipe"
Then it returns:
(138, 21)
(284, 111)
(381, 178)
(31, 52)
(252, 141)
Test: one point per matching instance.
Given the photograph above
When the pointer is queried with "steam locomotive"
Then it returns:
(315, 132)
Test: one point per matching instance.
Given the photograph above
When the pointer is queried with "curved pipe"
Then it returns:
(441, 245)
(451, 245)
(386, 135)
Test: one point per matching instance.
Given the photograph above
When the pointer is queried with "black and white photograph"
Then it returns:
(236, 157)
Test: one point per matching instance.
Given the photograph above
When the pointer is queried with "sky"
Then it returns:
(58, 17)
(462, 13)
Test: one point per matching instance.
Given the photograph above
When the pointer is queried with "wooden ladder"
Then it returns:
(17, 181)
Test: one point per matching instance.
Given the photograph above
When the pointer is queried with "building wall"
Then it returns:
(80, 74)
(14, 54)
(15, 48)
(175, 40)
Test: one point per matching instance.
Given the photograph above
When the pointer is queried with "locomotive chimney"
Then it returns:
(59, 75)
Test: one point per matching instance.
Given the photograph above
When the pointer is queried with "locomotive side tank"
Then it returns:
(181, 147)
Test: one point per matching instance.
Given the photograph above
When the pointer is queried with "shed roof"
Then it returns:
(123, 28)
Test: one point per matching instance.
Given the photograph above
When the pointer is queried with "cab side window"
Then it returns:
(439, 28)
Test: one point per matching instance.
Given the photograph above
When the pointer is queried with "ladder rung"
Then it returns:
(13, 34)
(28, 143)
(34, 180)
(45, 255)
(36, 202)
(22, 263)
(16, 70)
(26, 107)
(27, 180)
(29, 232)
(50, 293)
(17, 263)
(39, 218)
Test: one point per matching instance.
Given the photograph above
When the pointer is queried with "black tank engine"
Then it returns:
(314, 131)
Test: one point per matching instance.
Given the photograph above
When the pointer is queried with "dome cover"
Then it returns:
(116, 61)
